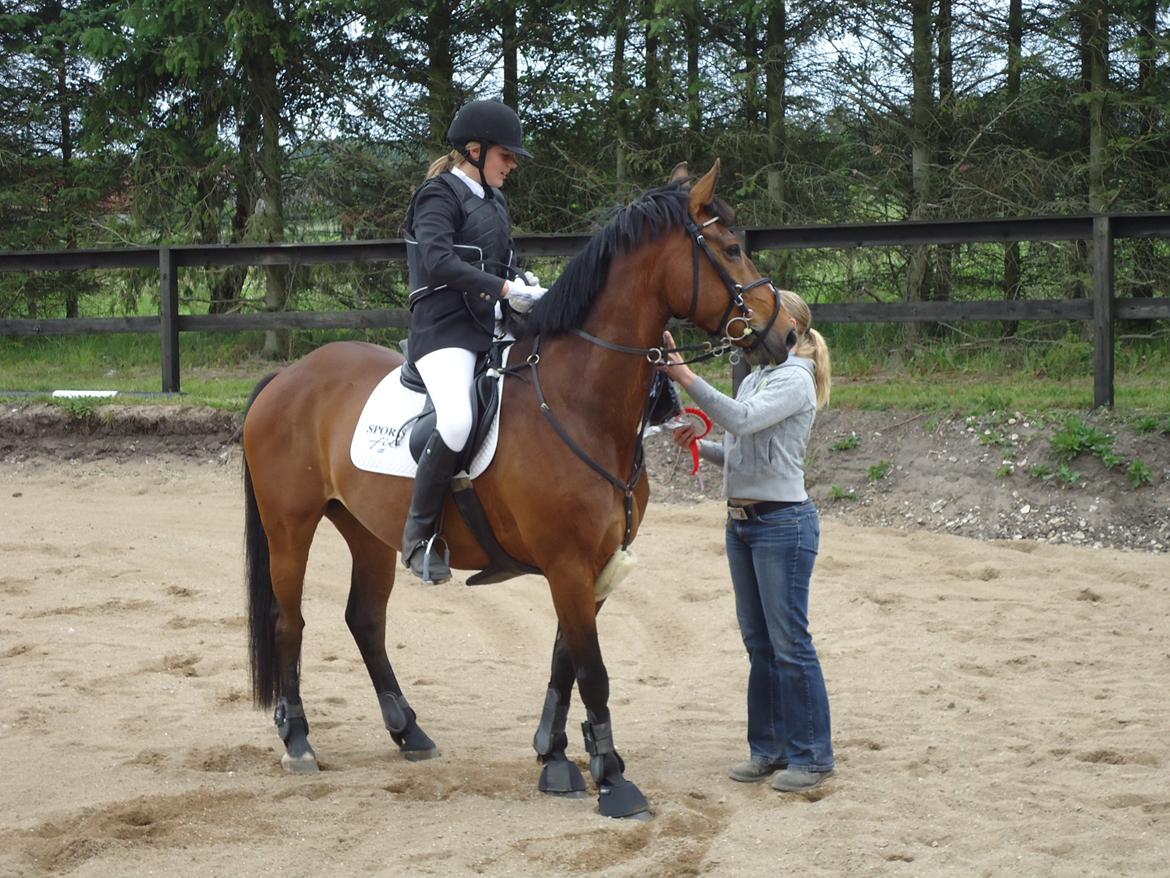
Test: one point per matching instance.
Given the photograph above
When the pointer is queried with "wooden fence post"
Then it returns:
(168, 311)
(1104, 312)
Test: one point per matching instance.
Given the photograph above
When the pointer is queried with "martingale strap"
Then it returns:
(626, 487)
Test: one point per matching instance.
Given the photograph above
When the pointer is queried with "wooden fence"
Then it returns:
(1102, 308)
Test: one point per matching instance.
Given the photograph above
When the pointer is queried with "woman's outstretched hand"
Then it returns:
(684, 436)
(676, 370)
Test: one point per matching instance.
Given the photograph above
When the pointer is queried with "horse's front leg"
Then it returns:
(560, 776)
(577, 613)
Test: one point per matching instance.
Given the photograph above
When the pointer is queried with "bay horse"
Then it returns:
(591, 350)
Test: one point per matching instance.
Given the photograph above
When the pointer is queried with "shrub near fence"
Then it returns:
(1103, 309)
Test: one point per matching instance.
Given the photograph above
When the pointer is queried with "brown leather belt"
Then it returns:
(745, 511)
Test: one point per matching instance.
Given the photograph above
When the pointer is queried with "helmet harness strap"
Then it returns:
(478, 165)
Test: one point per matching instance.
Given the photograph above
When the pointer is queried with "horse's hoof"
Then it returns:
(562, 778)
(622, 799)
(306, 763)
(421, 755)
(568, 794)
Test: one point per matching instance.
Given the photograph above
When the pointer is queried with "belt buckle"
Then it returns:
(738, 513)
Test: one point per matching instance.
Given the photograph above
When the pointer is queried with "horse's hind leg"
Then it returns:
(371, 582)
(560, 776)
(288, 558)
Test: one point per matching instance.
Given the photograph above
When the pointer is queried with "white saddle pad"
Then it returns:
(381, 442)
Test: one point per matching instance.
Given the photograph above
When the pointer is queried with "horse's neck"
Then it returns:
(628, 311)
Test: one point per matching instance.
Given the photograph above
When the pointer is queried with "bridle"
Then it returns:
(735, 292)
(734, 328)
(658, 356)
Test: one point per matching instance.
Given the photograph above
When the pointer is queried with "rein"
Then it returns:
(657, 356)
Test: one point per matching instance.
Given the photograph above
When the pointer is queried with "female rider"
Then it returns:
(459, 254)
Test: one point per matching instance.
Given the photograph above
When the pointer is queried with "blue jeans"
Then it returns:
(771, 560)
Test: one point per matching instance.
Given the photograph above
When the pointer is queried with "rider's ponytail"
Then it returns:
(810, 344)
(449, 162)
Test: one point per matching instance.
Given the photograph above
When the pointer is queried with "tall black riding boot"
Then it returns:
(420, 539)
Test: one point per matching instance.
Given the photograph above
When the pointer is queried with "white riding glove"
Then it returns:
(522, 296)
(529, 278)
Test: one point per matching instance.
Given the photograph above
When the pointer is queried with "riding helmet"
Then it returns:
(489, 123)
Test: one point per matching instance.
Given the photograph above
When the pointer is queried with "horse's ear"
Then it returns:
(703, 192)
(680, 174)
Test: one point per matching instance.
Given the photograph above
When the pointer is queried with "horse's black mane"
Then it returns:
(568, 300)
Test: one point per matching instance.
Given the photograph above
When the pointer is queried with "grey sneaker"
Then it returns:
(754, 770)
(798, 780)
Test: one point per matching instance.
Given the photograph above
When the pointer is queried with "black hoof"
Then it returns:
(622, 799)
(560, 777)
(421, 755)
(415, 745)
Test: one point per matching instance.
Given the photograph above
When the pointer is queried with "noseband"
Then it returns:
(735, 293)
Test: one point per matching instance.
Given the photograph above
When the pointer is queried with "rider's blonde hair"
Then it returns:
(810, 344)
(449, 162)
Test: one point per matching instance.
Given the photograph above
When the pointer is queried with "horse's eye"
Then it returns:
(733, 251)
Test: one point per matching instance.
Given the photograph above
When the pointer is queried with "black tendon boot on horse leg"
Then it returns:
(421, 537)
(402, 724)
(560, 776)
(293, 728)
(617, 797)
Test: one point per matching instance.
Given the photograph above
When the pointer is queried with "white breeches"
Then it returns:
(448, 373)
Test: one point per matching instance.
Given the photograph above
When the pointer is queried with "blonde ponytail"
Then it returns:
(449, 162)
(810, 344)
(443, 164)
(813, 346)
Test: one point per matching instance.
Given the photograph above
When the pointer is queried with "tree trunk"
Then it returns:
(653, 76)
(751, 87)
(260, 76)
(1011, 251)
(775, 81)
(945, 125)
(618, 104)
(225, 294)
(1153, 159)
(440, 100)
(1098, 52)
(922, 72)
(511, 63)
(694, 86)
(69, 279)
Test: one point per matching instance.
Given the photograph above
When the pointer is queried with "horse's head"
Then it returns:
(728, 296)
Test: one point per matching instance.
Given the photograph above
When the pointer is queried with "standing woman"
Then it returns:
(459, 253)
(773, 535)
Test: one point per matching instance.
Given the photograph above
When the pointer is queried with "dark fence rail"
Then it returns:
(1103, 309)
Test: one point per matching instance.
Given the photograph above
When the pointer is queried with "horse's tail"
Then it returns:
(261, 601)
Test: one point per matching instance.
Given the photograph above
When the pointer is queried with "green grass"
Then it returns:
(942, 376)
(216, 369)
(847, 444)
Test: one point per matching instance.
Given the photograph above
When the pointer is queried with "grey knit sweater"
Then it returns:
(766, 426)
